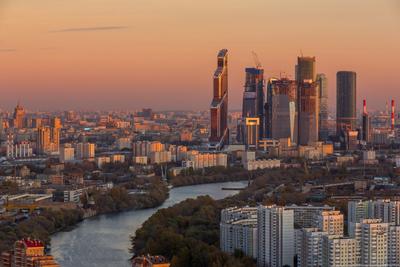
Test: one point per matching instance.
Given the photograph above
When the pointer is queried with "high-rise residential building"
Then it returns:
(85, 150)
(254, 96)
(67, 153)
(366, 124)
(322, 82)
(55, 133)
(252, 133)
(282, 115)
(307, 216)
(18, 117)
(308, 105)
(385, 210)
(43, 141)
(305, 69)
(339, 252)
(346, 117)
(372, 237)
(219, 105)
(331, 222)
(310, 247)
(238, 230)
(394, 246)
(275, 236)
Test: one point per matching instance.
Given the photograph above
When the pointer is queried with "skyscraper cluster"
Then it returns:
(283, 108)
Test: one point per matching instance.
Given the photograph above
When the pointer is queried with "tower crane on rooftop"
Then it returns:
(256, 60)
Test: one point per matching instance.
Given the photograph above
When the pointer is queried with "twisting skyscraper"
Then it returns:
(322, 82)
(219, 105)
(346, 101)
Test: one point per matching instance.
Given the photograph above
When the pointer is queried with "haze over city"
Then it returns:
(120, 54)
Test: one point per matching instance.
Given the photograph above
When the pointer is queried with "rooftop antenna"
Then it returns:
(301, 52)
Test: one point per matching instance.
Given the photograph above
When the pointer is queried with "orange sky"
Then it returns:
(127, 54)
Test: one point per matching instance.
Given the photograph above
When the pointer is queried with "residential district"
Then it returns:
(62, 160)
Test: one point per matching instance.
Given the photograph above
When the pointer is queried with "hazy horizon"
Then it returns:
(129, 54)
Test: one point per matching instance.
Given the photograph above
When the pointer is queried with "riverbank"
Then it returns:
(49, 222)
(104, 240)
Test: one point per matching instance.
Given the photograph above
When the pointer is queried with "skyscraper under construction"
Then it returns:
(253, 97)
(282, 109)
(308, 104)
(219, 104)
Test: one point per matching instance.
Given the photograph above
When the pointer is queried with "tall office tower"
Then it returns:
(366, 124)
(253, 96)
(252, 133)
(281, 109)
(219, 105)
(305, 69)
(322, 82)
(43, 141)
(372, 236)
(275, 236)
(310, 247)
(19, 116)
(308, 105)
(339, 252)
(331, 222)
(346, 116)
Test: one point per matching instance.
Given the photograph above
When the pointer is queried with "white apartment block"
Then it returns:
(67, 153)
(331, 222)
(386, 210)
(250, 163)
(275, 236)
(339, 252)
(238, 230)
(309, 247)
(307, 216)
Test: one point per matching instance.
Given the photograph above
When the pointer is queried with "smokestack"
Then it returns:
(392, 115)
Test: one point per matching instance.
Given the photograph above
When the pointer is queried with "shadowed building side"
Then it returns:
(346, 117)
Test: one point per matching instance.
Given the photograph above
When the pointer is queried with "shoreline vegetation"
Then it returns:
(188, 232)
(143, 193)
(210, 176)
(48, 222)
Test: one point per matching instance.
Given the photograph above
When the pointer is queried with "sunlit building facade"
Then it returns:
(219, 105)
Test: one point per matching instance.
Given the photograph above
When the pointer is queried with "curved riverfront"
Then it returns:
(104, 241)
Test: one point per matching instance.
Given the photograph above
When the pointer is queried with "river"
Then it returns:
(104, 241)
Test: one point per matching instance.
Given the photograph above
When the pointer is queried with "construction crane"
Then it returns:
(256, 60)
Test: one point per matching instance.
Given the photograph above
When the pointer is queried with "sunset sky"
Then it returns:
(128, 54)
